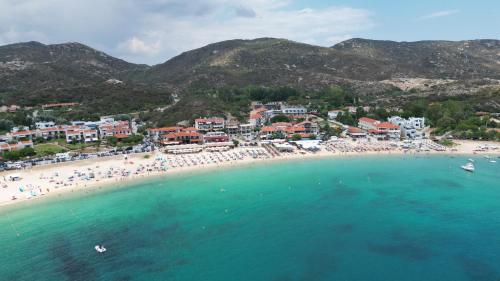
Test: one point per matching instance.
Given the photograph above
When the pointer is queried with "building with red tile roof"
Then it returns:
(215, 137)
(366, 123)
(81, 135)
(15, 146)
(182, 138)
(115, 128)
(155, 133)
(209, 124)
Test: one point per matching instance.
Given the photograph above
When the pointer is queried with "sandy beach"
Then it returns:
(48, 181)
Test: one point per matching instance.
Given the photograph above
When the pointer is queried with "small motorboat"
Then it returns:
(493, 161)
(100, 248)
(469, 167)
(471, 160)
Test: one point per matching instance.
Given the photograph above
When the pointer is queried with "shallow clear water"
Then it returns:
(359, 218)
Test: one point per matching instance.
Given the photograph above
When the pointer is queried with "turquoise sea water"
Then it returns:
(359, 218)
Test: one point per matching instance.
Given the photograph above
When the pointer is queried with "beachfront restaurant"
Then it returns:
(218, 146)
(284, 147)
(183, 148)
(310, 145)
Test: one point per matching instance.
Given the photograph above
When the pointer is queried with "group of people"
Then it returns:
(206, 158)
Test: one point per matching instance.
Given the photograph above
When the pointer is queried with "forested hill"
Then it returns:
(32, 73)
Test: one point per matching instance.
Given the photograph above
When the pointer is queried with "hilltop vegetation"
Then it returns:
(223, 78)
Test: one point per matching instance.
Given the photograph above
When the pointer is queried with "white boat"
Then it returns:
(471, 160)
(100, 248)
(469, 167)
(493, 161)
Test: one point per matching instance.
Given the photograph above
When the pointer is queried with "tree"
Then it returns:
(446, 123)
(277, 135)
(123, 117)
(133, 139)
(296, 137)
(11, 155)
(346, 118)
(360, 112)
(280, 118)
(39, 140)
(6, 124)
(415, 108)
(18, 154)
(236, 142)
(112, 141)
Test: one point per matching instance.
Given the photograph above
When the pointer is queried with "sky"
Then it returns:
(152, 31)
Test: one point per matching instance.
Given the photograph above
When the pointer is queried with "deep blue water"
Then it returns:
(359, 218)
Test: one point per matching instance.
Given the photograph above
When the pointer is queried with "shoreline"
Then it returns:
(37, 176)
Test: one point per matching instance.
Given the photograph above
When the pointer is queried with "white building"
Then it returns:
(45, 125)
(209, 124)
(417, 122)
(247, 131)
(411, 128)
(366, 123)
(81, 135)
(294, 110)
(90, 124)
(333, 114)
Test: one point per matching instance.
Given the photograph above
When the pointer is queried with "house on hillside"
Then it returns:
(294, 111)
(332, 114)
(81, 135)
(366, 123)
(44, 125)
(411, 128)
(115, 128)
(209, 124)
(156, 133)
(15, 146)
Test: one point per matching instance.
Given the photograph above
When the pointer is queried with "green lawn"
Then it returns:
(74, 146)
(45, 149)
(448, 143)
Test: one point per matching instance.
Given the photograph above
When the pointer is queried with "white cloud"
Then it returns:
(151, 31)
(440, 14)
(138, 46)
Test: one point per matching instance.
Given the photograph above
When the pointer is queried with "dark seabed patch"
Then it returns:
(168, 231)
(283, 277)
(319, 266)
(478, 270)
(380, 192)
(344, 227)
(398, 235)
(219, 229)
(166, 268)
(371, 176)
(72, 266)
(339, 191)
(442, 183)
(406, 250)
(446, 198)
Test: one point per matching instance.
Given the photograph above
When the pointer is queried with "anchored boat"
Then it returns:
(469, 167)
(100, 248)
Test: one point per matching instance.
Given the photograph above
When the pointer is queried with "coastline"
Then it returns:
(37, 176)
